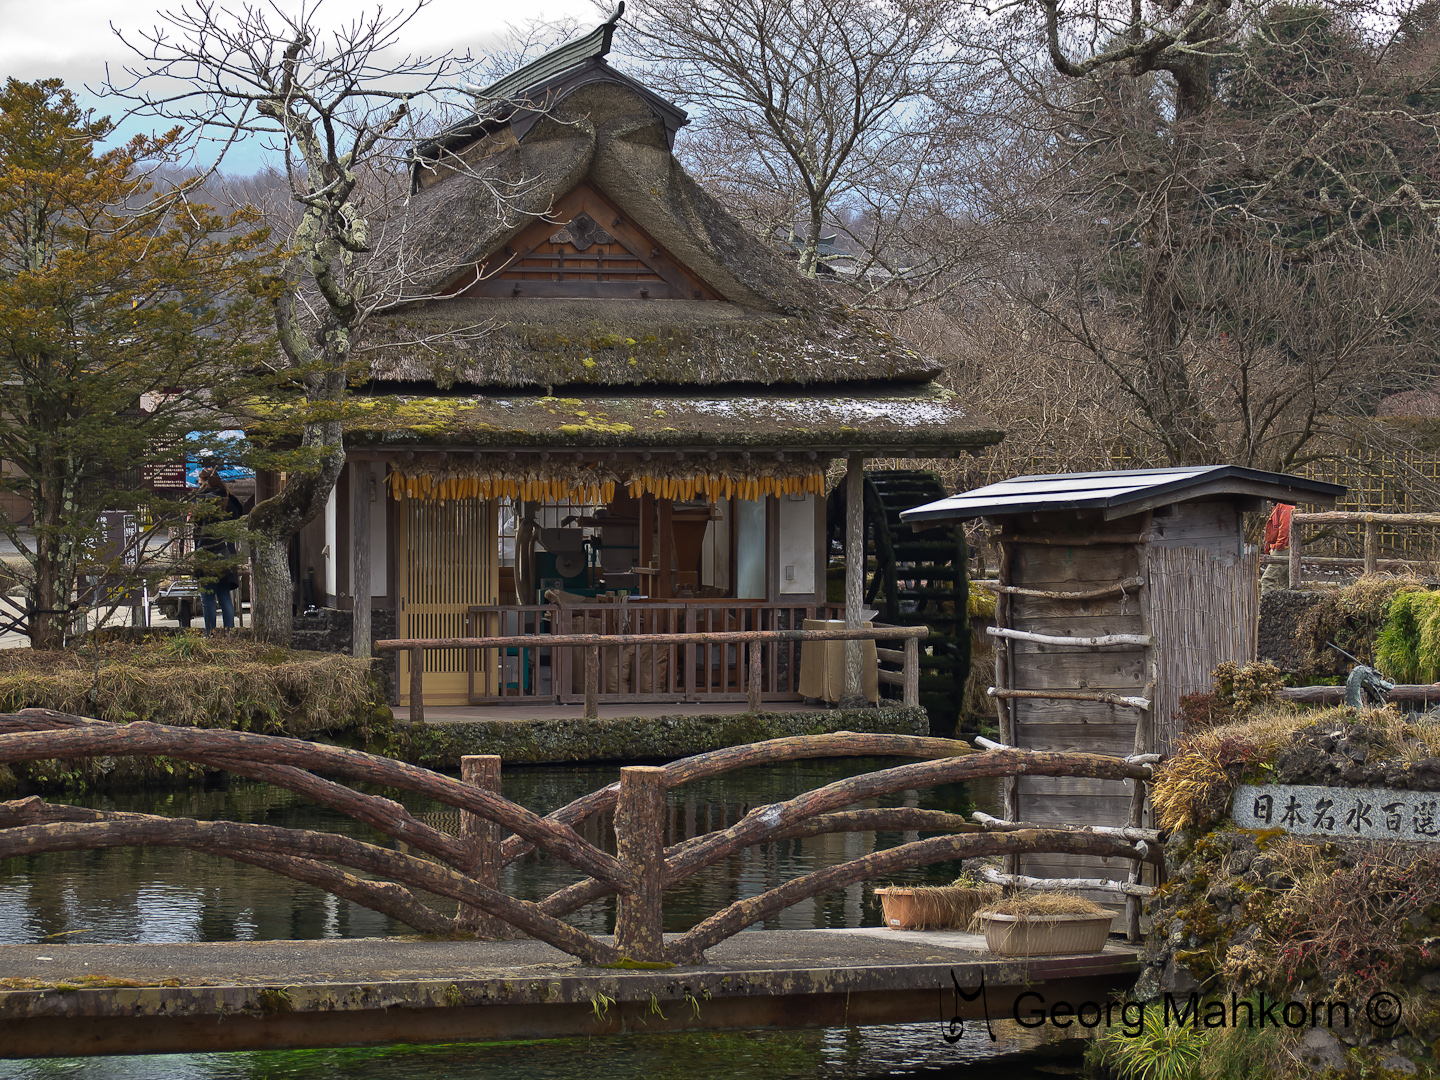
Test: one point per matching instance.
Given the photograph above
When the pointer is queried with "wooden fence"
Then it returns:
(754, 670)
(1372, 526)
(467, 868)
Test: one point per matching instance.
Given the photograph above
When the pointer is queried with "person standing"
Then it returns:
(215, 569)
(1276, 542)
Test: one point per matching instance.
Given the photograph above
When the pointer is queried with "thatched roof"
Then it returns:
(741, 354)
(885, 420)
(771, 327)
(539, 344)
(607, 134)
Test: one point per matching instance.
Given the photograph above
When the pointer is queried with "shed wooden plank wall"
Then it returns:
(1201, 597)
(1075, 725)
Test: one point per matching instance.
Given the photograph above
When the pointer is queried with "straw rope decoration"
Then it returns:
(598, 483)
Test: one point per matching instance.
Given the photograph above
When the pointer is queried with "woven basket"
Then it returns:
(1044, 935)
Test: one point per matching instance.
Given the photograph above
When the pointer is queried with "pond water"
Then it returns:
(165, 895)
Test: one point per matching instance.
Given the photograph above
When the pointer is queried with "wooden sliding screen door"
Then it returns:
(449, 562)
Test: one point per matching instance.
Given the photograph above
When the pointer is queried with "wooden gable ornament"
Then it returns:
(584, 248)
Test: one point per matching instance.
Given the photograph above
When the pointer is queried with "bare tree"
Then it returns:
(337, 107)
(1230, 210)
(796, 105)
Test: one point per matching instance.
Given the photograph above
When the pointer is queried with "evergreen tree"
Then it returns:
(127, 316)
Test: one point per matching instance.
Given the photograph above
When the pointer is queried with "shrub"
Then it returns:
(192, 681)
(1350, 618)
(1408, 646)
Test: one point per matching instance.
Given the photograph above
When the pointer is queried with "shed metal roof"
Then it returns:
(1122, 492)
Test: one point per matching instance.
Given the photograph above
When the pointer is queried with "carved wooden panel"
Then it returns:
(584, 248)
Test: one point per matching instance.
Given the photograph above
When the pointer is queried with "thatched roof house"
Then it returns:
(607, 334)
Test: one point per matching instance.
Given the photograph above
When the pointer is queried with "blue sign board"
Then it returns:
(218, 448)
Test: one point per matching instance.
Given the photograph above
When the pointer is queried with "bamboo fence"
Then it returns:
(1199, 610)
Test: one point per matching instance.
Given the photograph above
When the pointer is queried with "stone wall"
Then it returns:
(1310, 919)
(333, 630)
(641, 738)
(1280, 612)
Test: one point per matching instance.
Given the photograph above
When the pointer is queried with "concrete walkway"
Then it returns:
(250, 995)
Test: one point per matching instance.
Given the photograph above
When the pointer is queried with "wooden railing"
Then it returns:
(754, 669)
(1372, 522)
(467, 868)
(542, 672)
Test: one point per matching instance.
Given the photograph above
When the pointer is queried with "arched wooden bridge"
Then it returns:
(466, 869)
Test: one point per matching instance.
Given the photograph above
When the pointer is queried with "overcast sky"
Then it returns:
(73, 39)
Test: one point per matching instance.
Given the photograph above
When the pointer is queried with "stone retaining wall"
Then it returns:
(1280, 613)
(640, 738)
(1228, 888)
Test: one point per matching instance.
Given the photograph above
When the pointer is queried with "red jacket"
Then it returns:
(1277, 530)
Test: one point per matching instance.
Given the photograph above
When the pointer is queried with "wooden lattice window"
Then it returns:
(584, 248)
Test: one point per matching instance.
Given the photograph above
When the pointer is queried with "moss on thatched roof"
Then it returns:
(535, 344)
(926, 417)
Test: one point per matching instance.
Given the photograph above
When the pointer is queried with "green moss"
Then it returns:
(626, 964)
(275, 999)
(1265, 837)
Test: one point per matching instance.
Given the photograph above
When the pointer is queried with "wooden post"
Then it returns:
(753, 675)
(1294, 552)
(665, 514)
(1005, 679)
(640, 845)
(592, 681)
(912, 672)
(1147, 721)
(853, 694)
(417, 685)
(1372, 545)
(647, 541)
(1004, 710)
(483, 836)
(360, 557)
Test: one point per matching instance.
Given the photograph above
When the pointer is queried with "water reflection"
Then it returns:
(830, 1054)
(166, 894)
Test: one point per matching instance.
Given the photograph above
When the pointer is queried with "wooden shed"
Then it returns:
(1118, 593)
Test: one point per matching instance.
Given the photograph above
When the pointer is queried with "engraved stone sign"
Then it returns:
(1340, 813)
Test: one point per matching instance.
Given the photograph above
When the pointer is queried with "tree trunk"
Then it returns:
(274, 521)
(271, 620)
(54, 564)
(810, 253)
(1164, 327)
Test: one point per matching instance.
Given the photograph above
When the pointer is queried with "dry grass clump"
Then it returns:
(1348, 919)
(1033, 905)
(948, 907)
(190, 681)
(1194, 785)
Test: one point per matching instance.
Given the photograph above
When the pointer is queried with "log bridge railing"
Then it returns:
(1372, 522)
(466, 868)
(908, 678)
